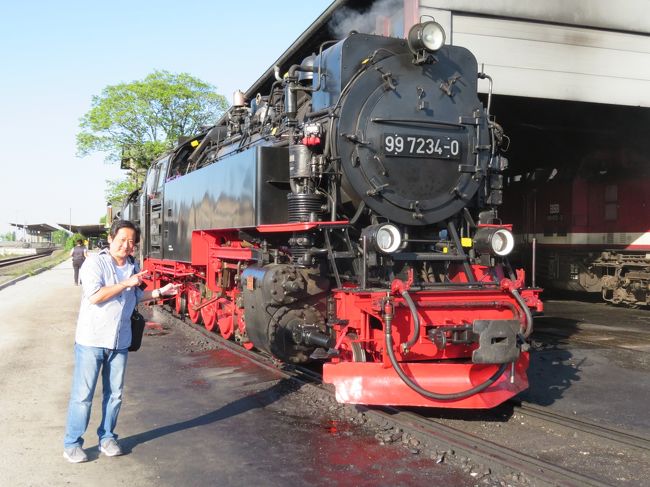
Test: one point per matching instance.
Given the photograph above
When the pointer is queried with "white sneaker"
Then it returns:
(110, 448)
(75, 454)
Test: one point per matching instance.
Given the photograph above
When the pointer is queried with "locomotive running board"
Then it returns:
(374, 384)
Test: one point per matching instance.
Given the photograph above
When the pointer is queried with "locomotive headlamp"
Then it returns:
(497, 241)
(385, 238)
(429, 36)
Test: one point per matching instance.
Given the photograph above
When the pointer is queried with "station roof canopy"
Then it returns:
(36, 228)
(86, 230)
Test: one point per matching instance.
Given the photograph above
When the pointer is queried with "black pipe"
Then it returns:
(469, 286)
(319, 113)
(300, 67)
(364, 264)
(459, 249)
(416, 322)
(312, 337)
(357, 214)
(388, 318)
(335, 198)
(527, 313)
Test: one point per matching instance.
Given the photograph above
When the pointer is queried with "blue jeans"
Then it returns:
(88, 363)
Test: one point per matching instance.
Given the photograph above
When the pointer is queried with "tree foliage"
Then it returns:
(72, 240)
(117, 190)
(140, 120)
(59, 237)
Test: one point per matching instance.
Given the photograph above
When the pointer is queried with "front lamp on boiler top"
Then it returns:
(427, 36)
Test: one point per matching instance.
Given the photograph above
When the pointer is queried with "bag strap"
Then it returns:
(134, 263)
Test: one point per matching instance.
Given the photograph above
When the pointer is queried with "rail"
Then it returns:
(606, 432)
(23, 258)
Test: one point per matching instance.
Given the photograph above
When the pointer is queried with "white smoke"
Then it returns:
(346, 20)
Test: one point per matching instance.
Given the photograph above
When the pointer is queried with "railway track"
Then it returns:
(490, 458)
(22, 259)
(580, 424)
(499, 458)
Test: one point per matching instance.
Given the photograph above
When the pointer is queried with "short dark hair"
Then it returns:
(80, 242)
(117, 224)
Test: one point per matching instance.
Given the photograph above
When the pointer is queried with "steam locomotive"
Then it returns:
(350, 217)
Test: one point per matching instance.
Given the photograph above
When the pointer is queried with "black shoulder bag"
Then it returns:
(137, 326)
(137, 330)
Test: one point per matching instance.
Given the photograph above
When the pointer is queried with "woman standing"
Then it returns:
(78, 253)
(111, 283)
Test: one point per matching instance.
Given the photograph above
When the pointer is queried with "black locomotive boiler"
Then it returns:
(350, 216)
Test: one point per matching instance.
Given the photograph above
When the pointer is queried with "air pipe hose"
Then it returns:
(388, 319)
(416, 322)
(526, 310)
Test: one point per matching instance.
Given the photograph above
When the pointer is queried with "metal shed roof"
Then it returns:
(578, 50)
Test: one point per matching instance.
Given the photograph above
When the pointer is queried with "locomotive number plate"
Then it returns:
(405, 145)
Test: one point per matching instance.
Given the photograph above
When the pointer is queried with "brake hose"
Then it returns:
(388, 318)
(524, 307)
(416, 322)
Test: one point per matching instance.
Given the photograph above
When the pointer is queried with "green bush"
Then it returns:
(72, 240)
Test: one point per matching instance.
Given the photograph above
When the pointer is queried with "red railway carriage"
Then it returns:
(579, 191)
(350, 217)
(591, 226)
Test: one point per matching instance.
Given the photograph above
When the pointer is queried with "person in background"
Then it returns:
(78, 253)
(111, 282)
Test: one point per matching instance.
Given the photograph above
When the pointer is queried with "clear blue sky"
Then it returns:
(56, 55)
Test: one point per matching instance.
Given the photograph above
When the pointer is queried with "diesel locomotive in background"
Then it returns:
(350, 216)
(590, 227)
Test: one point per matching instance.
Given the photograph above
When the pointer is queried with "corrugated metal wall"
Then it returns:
(543, 58)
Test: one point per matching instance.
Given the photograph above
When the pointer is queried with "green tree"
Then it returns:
(72, 240)
(59, 237)
(138, 121)
(117, 190)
